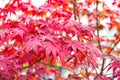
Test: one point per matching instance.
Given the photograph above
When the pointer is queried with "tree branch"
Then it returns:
(99, 43)
(74, 9)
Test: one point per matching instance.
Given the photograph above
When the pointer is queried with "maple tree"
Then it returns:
(43, 40)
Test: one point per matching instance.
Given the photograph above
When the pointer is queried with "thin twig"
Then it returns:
(114, 47)
(112, 50)
(39, 61)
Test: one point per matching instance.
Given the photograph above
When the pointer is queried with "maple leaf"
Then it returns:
(118, 5)
(34, 43)
(86, 50)
(115, 65)
(51, 48)
(3, 67)
(24, 6)
(29, 57)
(3, 34)
(61, 14)
(54, 71)
(17, 31)
(8, 67)
(76, 28)
(12, 33)
(9, 51)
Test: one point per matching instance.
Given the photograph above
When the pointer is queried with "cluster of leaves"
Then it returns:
(42, 40)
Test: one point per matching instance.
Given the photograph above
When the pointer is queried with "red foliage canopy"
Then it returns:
(47, 36)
